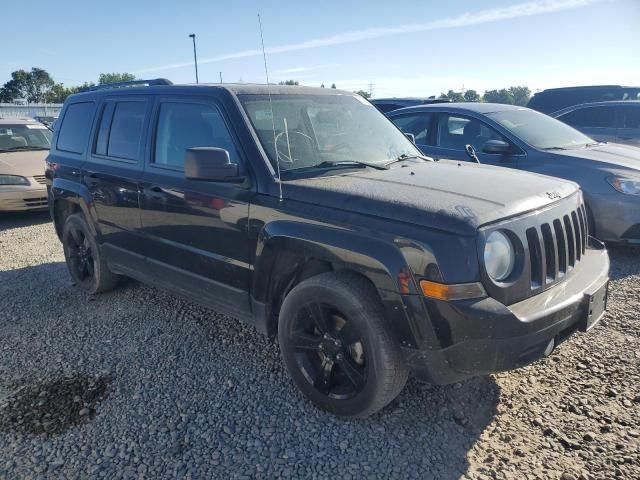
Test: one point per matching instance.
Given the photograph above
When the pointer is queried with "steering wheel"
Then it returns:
(284, 157)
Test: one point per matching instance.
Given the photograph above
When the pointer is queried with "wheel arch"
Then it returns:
(289, 252)
(68, 198)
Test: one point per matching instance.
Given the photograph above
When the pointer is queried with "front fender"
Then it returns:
(284, 246)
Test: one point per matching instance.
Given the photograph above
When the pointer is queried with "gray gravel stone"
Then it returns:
(194, 394)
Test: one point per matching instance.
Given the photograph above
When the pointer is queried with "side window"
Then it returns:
(76, 124)
(457, 132)
(591, 117)
(417, 124)
(126, 130)
(631, 117)
(185, 125)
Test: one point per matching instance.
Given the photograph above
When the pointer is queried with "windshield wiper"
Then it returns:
(339, 163)
(25, 147)
(406, 156)
(555, 148)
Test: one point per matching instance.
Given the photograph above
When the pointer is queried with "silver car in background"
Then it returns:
(24, 144)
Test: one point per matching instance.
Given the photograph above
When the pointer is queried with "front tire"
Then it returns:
(336, 345)
(85, 262)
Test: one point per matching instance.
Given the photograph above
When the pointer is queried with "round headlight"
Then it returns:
(499, 256)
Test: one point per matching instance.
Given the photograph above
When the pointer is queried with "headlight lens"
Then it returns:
(628, 186)
(13, 180)
(499, 256)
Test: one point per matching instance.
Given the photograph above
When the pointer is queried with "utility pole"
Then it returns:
(220, 77)
(371, 85)
(195, 57)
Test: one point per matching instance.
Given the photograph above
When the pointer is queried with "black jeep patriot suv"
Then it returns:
(306, 213)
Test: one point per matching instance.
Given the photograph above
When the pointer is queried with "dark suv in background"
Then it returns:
(553, 99)
(307, 214)
(617, 122)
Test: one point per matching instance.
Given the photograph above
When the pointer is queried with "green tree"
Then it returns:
(364, 94)
(520, 95)
(322, 85)
(454, 96)
(471, 96)
(333, 85)
(498, 96)
(289, 82)
(104, 78)
(35, 86)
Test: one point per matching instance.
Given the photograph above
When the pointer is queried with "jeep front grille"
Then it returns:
(550, 244)
(555, 247)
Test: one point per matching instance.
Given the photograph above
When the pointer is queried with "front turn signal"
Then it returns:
(459, 291)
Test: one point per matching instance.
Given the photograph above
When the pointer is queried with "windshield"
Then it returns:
(24, 137)
(540, 130)
(322, 130)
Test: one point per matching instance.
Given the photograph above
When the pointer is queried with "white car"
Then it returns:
(24, 145)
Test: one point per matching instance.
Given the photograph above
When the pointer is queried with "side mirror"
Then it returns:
(210, 163)
(411, 137)
(496, 146)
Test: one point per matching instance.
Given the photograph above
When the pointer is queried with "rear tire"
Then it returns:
(85, 262)
(337, 347)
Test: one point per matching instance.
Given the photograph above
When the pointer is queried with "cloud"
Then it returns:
(527, 9)
(306, 69)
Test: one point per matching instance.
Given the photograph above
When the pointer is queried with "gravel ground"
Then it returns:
(138, 384)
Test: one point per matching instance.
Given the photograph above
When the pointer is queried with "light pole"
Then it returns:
(195, 57)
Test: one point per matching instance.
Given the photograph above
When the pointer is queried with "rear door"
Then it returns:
(629, 133)
(196, 232)
(113, 169)
(420, 125)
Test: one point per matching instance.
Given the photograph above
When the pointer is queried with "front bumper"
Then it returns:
(20, 198)
(484, 336)
(616, 217)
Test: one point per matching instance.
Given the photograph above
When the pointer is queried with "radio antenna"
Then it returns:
(273, 121)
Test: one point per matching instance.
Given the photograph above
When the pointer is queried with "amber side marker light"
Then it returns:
(460, 291)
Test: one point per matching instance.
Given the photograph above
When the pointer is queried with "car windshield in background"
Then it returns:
(324, 131)
(24, 137)
(539, 130)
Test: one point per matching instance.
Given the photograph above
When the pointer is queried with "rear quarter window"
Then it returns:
(76, 125)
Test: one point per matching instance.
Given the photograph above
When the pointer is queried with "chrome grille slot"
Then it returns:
(550, 254)
(535, 257)
(41, 179)
(571, 242)
(578, 235)
(561, 242)
(582, 217)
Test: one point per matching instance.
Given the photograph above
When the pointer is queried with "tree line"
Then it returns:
(512, 96)
(37, 86)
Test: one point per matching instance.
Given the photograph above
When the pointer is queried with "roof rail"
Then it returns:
(155, 81)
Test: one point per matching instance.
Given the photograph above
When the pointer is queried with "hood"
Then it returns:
(454, 196)
(24, 163)
(613, 154)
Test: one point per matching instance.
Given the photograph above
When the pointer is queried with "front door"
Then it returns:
(453, 132)
(196, 232)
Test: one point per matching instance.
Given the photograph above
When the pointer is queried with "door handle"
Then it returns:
(156, 193)
(156, 189)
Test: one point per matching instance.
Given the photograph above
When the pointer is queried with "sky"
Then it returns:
(393, 48)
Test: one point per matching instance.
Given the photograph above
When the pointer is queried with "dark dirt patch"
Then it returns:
(52, 408)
